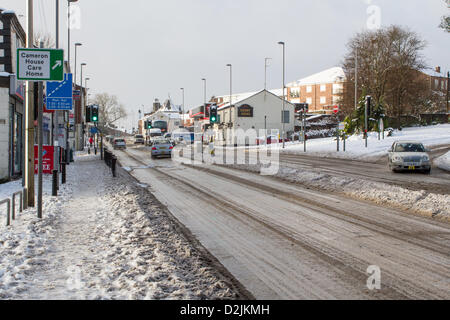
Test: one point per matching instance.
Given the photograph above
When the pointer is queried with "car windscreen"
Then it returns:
(409, 147)
(139, 136)
(162, 142)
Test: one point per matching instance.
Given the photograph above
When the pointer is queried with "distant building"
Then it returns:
(320, 91)
(260, 111)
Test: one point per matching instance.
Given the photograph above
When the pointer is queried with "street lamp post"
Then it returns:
(283, 115)
(75, 69)
(182, 115)
(265, 72)
(231, 86)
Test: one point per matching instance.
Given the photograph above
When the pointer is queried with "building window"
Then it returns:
(309, 89)
(285, 116)
(323, 88)
(294, 92)
(309, 101)
(337, 88)
(323, 100)
(436, 83)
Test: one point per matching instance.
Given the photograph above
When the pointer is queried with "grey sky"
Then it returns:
(141, 50)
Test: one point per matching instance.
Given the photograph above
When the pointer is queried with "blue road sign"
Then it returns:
(59, 94)
(94, 130)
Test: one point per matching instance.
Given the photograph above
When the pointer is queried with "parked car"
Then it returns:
(409, 156)
(119, 143)
(270, 139)
(162, 147)
(139, 139)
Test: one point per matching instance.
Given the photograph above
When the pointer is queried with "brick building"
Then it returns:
(320, 91)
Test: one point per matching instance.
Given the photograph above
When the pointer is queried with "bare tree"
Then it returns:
(47, 39)
(110, 110)
(389, 68)
(445, 21)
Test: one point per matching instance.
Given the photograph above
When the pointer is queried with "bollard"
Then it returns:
(95, 150)
(8, 212)
(63, 173)
(113, 166)
(18, 193)
(25, 199)
(89, 150)
(55, 183)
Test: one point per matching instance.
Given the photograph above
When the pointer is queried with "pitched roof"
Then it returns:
(331, 75)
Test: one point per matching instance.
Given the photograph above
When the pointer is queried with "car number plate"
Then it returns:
(162, 148)
(412, 167)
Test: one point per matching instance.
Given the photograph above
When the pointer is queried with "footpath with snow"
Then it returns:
(104, 238)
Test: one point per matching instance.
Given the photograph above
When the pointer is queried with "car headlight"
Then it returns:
(397, 159)
(425, 158)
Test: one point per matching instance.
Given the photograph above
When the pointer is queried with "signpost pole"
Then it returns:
(29, 118)
(40, 143)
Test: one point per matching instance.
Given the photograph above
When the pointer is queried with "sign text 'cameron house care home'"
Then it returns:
(40, 64)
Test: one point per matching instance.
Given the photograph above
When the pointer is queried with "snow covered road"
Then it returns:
(282, 241)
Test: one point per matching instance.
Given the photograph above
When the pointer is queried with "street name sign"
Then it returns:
(40, 64)
(60, 94)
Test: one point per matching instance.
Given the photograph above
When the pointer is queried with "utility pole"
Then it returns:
(448, 83)
(356, 79)
(29, 117)
(283, 115)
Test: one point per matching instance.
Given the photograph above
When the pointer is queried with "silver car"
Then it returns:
(409, 156)
(161, 147)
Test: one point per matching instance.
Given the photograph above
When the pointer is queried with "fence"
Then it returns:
(11, 214)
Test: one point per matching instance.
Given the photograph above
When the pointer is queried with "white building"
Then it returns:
(261, 111)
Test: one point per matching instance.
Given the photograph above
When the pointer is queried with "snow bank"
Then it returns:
(443, 162)
(355, 145)
(420, 202)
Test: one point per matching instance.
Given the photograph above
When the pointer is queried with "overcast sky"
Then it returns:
(140, 50)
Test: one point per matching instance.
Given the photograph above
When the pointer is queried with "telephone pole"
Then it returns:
(29, 117)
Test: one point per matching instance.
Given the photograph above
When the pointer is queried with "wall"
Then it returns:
(4, 133)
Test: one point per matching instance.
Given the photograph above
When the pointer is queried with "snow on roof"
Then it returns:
(5, 74)
(8, 12)
(248, 95)
(331, 75)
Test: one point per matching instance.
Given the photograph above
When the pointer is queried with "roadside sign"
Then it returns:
(335, 109)
(48, 153)
(59, 94)
(341, 125)
(77, 94)
(40, 64)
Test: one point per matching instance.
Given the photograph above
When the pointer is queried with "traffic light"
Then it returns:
(213, 114)
(368, 105)
(88, 114)
(148, 124)
(94, 113)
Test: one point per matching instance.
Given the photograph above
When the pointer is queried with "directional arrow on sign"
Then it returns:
(58, 64)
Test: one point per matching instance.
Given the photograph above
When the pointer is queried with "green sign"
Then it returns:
(40, 64)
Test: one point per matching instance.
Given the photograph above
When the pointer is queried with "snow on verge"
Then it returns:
(443, 162)
(421, 202)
